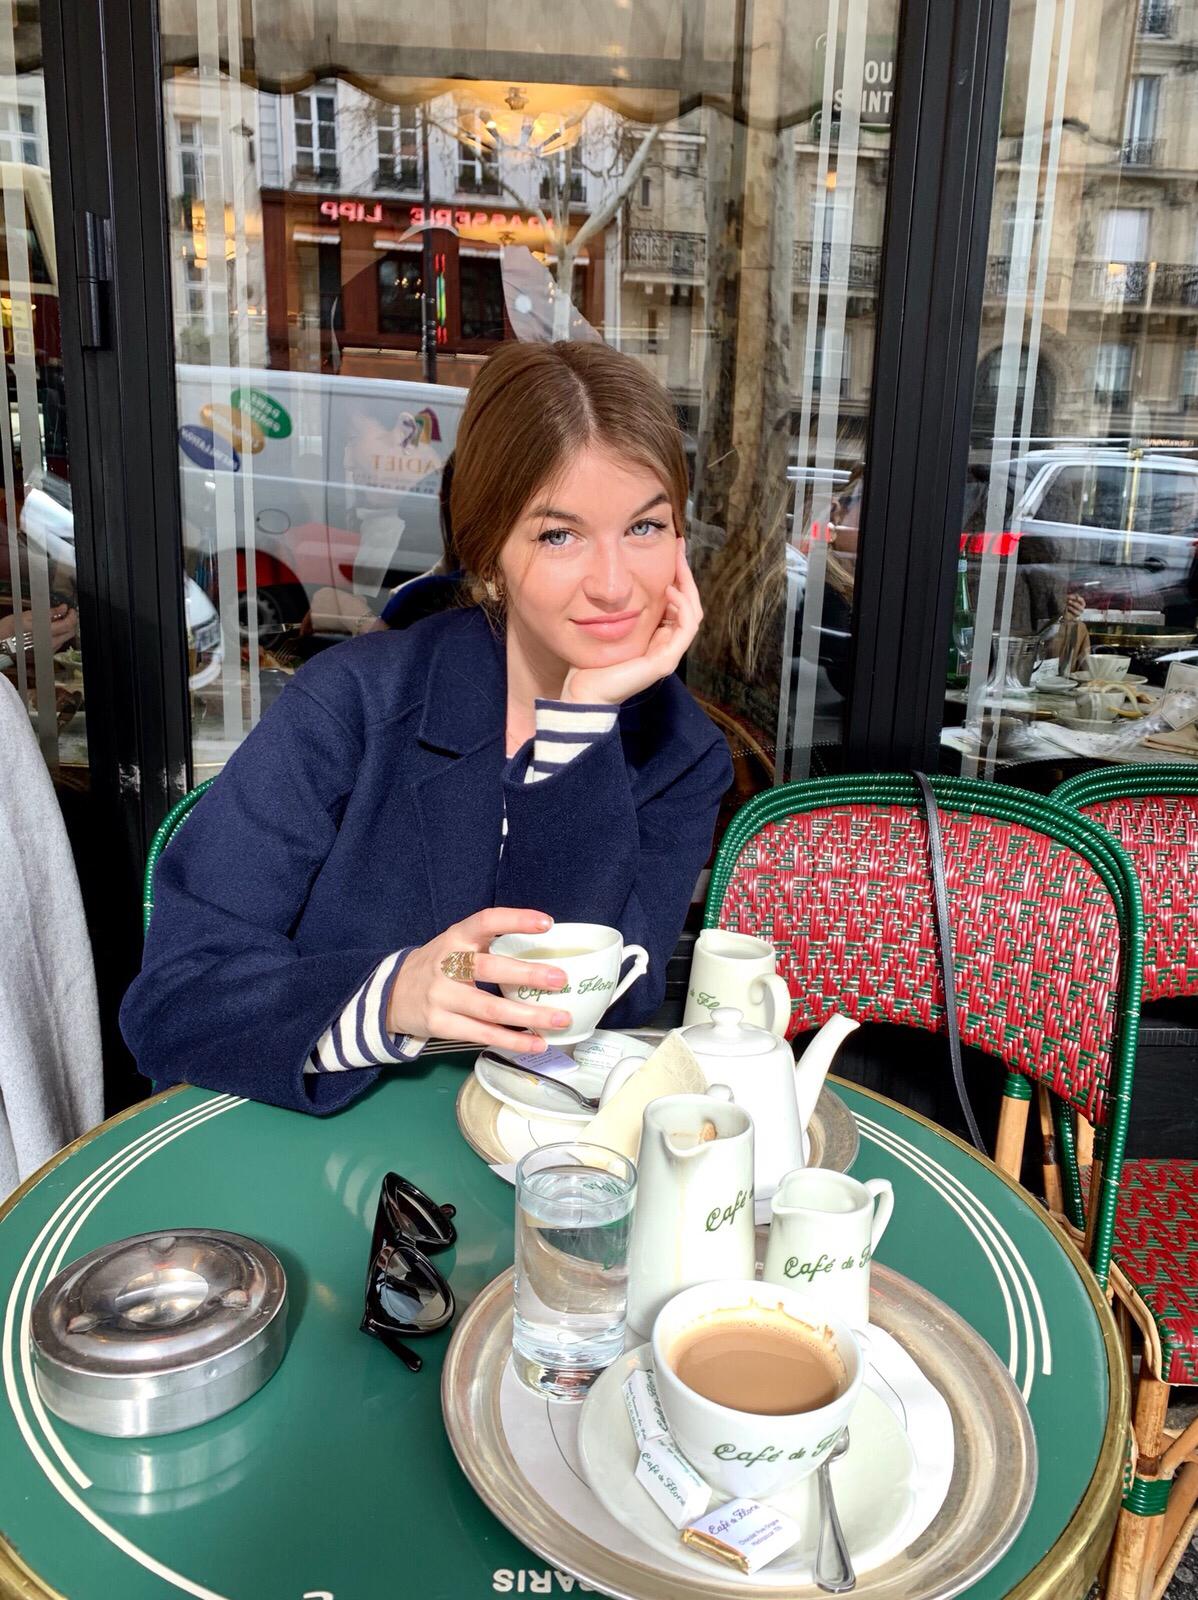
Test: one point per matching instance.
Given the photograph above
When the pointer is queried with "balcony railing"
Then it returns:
(473, 181)
(1157, 18)
(680, 254)
(1137, 283)
(1141, 152)
(857, 268)
(327, 173)
(405, 175)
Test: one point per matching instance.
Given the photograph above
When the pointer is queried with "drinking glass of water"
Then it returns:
(573, 1220)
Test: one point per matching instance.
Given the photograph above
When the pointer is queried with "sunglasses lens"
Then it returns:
(410, 1213)
(406, 1293)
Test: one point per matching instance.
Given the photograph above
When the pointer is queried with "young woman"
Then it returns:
(526, 757)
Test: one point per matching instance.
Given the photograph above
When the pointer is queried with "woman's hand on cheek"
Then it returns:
(425, 1004)
(670, 641)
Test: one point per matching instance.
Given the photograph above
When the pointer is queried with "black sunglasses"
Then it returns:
(405, 1294)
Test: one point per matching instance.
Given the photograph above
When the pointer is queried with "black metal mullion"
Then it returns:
(102, 102)
(948, 94)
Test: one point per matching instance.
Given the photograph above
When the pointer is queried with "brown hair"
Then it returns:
(530, 409)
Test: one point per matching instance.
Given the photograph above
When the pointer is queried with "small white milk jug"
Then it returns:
(694, 1203)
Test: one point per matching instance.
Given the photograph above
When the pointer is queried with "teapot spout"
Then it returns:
(816, 1061)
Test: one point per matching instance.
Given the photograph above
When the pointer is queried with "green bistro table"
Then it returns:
(336, 1481)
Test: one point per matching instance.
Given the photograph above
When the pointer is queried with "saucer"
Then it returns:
(874, 1484)
(1048, 685)
(1131, 679)
(534, 1098)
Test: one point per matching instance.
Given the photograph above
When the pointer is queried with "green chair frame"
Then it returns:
(170, 825)
(1094, 845)
(1159, 1515)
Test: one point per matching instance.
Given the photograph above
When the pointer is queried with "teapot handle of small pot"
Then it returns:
(776, 996)
(640, 965)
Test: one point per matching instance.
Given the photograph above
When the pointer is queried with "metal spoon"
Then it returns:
(833, 1569)
(585, 1101)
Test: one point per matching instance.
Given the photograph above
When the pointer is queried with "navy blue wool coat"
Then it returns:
(364, 814)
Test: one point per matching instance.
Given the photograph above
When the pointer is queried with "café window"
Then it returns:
(316, 135)
(398, 140)
(191, 158)
(1189, 380)
(401, 292)
(18, 135)
(564, 179)
(1140, 144)
(1124, 235)
(478, 169)
(1112, 375)
(319, 284)
(482, 297)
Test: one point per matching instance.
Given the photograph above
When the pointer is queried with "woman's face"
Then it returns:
(588, 563)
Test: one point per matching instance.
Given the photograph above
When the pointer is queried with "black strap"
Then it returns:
(944, 938)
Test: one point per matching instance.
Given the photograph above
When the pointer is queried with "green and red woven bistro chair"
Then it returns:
(1046, 929)
(169, 826)
(1153, 812)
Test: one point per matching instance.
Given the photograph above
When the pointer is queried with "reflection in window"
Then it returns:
(398, 141)
(401, 292)
(1112, 374)
(482, 297)
(316, 136)
(1140, 144)
(478, 170)
(319, 284)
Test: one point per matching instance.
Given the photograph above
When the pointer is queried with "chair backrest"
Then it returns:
(1153, 812)
(1046, 930)
(170, 825)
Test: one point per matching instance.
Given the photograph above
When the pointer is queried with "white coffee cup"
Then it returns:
(746, 1453)
(1108, 667)
(824, 1229)
(591, 955)
(735, 969)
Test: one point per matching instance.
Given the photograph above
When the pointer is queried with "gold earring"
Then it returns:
(492, 591)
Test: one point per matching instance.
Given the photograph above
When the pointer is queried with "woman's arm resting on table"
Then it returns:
(225, 1000)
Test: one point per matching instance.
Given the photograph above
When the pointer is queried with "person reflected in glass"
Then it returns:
(526, 756)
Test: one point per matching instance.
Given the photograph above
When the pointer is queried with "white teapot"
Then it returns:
(761, 1071)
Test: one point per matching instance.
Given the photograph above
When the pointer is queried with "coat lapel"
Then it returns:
(460, 803)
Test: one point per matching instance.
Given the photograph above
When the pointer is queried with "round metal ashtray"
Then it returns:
(159, 1332)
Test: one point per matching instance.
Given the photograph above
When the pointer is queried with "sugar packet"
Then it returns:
(743, 1533)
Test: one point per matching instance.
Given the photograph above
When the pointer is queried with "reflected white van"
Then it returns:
(311, 480)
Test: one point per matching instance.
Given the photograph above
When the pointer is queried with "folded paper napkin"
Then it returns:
(671, 1069)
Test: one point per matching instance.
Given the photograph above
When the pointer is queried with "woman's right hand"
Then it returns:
(427, 1005)
(63, 624)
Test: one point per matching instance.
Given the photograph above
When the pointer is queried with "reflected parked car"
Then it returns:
(48, 524)
(1118, 527)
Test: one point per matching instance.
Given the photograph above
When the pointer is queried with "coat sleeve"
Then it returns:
(580, 848)
(225, 999)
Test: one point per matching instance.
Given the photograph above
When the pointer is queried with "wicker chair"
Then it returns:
(170, 825)
(1153, 812)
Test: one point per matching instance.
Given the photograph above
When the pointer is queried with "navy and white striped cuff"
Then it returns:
(359, 1036)
(564, 731)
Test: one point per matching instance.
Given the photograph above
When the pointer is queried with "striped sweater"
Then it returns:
(359, 1036)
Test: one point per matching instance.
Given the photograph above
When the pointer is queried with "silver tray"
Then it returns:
(832, 1133)
(989, 1496)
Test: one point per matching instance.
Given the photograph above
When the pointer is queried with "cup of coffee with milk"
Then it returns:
(756, 1386)
(592, 956)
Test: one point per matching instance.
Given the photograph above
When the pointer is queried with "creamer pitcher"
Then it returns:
(694, 1210)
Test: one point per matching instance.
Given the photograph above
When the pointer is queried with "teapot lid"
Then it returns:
(727, 1034)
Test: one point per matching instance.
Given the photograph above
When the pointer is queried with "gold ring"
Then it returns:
(459, 965)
